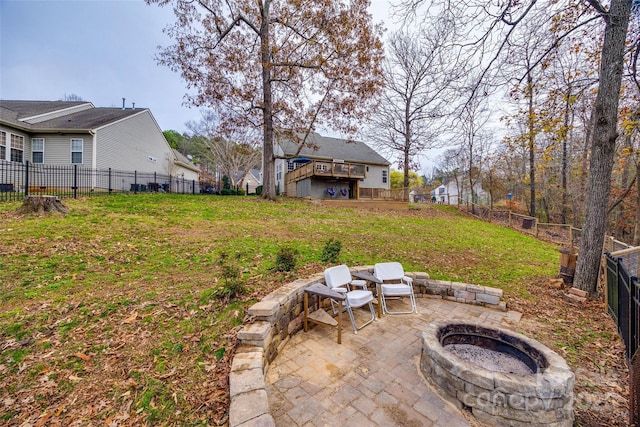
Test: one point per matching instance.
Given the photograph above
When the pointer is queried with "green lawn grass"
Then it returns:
(118, 303)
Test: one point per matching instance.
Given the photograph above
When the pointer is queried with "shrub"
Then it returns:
(258, 190)
(286, 259)
(232, 284)
(331, 251)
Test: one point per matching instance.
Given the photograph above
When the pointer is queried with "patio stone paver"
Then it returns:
(373, 378)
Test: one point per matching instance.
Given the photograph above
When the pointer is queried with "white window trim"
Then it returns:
(11, 147)
(76, 151)
(37, 151)
(4, 144)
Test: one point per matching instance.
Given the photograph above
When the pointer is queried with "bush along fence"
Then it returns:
(623, 303)
(18, 180)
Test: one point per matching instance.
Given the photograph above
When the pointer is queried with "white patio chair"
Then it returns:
(394, 285)
(339, 279)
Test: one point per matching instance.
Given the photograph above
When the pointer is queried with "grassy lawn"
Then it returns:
(117, 312)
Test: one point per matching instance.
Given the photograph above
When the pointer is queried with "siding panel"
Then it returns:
(135, 143)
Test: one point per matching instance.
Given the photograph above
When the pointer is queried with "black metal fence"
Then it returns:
(623, 300)
(18, 180)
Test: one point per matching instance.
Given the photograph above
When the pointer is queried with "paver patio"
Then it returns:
(373, 378)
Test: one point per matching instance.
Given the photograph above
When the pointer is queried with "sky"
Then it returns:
(100, 50)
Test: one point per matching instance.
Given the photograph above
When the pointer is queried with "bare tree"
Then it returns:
(470, 130)
(418, 75)
(500, 19)
(231, 157)
(277, 64)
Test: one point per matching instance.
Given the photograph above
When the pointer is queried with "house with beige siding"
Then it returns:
(330, 168)
(78, 133)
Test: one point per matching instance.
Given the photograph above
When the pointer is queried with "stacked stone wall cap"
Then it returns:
(265, 307)
(475, 288)
(443, 283)
(257, 331)
(456, 286)
(243, 361)
(493, 291)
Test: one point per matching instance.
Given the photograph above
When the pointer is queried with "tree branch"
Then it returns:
(604, 13)
(624, 194)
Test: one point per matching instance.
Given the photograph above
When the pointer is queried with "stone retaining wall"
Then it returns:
(280, 314)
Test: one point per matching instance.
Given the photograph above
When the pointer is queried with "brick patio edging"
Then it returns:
(279, 315)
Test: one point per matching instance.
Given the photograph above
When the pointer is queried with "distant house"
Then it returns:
(78, 133)
(330, 168)
(453, 193)
(251, 180)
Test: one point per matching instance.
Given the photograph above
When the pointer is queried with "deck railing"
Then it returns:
(327, 169)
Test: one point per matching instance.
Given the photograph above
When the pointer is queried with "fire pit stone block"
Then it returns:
(543, 398)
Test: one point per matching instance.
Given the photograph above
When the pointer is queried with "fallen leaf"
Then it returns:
(82, 356)
(132, 318)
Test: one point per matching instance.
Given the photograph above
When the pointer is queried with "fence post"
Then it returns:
(510, 219)
(571, 236)
(110, 189)
(170, 178)
(135, 182)
(26, 179)
(75, 181)
(193, 188)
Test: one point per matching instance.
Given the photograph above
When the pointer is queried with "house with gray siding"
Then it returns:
(78, 133)
(330, 168)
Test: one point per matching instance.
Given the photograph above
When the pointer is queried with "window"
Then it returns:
(17, 148)
(441, 190)
(3, 145)
(37, 150)
(384, 177)
(279, 172)
(76, 151)
(291, 166)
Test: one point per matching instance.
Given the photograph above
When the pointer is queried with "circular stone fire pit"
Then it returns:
(504, 378)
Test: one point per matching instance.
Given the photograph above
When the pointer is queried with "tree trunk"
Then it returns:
(41, 205)
(636, 231)
(532, 150)
(603, 146)
(268, 177)
(563, 172)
